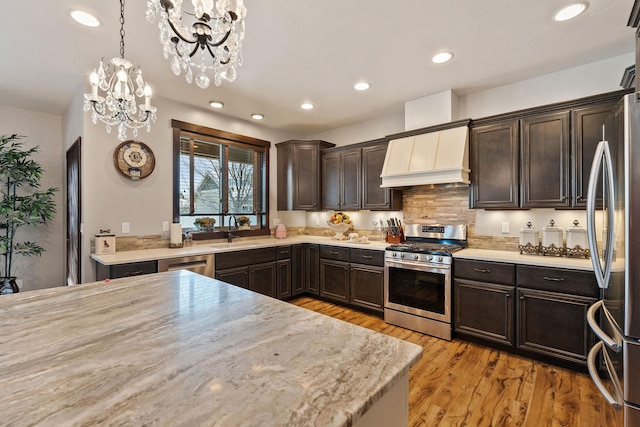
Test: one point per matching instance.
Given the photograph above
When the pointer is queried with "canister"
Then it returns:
(552, 235)
(105, 243)
(529, 236)
(577, 237)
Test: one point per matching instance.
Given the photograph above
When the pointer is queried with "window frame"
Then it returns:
(228, 139)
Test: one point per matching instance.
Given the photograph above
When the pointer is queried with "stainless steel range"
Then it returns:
(417, 278)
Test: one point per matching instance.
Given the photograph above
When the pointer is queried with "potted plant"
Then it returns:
(205, 223)
(21, 204)
(244, 222)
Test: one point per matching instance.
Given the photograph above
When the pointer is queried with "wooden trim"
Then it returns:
(444, 126)
(229, 136)
(611, 97)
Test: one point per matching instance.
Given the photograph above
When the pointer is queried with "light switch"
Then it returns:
(165, 225)
(505, 227)
(125, 227)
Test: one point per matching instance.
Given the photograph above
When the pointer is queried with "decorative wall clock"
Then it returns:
(134, 159)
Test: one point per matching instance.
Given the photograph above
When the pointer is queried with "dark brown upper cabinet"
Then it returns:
(342, 179)
(298, 175)
(544, 161)
(495, 171)
(374, 197)
(587, 133)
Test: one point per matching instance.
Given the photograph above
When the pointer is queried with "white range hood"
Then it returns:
(437, 157)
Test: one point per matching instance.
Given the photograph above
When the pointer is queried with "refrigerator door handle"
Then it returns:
(613, 343)
(601, 160)
(616, 401)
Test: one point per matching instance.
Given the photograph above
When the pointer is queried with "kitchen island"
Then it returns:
(178, 348)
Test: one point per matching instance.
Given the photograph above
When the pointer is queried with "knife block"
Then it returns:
(395, 238)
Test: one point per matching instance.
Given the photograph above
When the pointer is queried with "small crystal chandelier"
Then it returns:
(122, 84)
(215, 26)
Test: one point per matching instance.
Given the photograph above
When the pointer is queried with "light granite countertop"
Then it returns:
(517, 258)
(179, 348)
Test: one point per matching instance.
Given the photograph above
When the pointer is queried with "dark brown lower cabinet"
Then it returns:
(554, 324)
(367, 286)
(117, 271)
(334, 279)
(284, 279)
(313, 269)
(262, 278)
(484, 310)
(298, 269)
(238, 276)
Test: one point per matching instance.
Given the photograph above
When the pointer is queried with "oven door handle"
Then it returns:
(418, 266)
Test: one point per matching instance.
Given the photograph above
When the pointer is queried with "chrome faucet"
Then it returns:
(230, 235)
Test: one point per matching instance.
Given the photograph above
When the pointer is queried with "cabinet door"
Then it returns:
(331, 181)
(238, 276)
(307, 188)
(545, 161)
(313, 269)
(351, 177)
(367, 285)
(586, 133)
(298, 261)
(375, 197)
(262, 278)
(554, 324)
(495, 165)
(484, 310)
(284, 279)
(125, 270)
(334, 279)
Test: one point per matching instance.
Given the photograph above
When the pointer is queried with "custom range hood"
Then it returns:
(433, 155)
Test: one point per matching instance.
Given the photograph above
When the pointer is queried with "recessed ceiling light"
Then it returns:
(361, 86)
(85, 18)
(570, 12)
(442, 57)
(306, 106)
(216, 104)
(257, 116)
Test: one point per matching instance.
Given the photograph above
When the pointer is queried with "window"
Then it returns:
(220, 175)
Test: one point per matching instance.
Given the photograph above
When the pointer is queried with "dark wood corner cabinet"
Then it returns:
(351, 178)
(298, 174)
(539, 157)
(535, 311)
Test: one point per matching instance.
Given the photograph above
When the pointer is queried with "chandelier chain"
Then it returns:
(122, 29)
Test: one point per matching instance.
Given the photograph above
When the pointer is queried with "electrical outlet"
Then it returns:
(317, 221)
(505, 227)
(125, 227)
(165, 225)
(275, 221)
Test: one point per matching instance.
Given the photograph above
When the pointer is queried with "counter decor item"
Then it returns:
(394, 233)
(529, 240)
(340, 223)
(134, 159)
(552, 240)
(22, 203)
(105, 243)
(577, 242)
(244, 223)
(281, 231)
(206, 223)
(176, 236)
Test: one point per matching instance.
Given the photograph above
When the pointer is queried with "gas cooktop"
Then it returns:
(425, 248)
(440, 240)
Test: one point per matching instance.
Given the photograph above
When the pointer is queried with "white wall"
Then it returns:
(109, 199)
(44, 130)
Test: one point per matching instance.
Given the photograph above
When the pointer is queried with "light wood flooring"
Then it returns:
(459, 383)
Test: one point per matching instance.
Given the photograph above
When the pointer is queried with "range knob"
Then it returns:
(394, 254)
(429, 257)
(415, 257)
(438, 259)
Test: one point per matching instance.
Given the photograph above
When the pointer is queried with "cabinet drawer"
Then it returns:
(334, 252)
(367, 256)
(485, 271)
(558, 280)
(283, 252)
(245, 257)
(133, 269)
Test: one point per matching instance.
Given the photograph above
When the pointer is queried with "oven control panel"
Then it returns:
(418, 257)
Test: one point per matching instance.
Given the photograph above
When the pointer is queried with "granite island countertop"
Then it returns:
(180, 348)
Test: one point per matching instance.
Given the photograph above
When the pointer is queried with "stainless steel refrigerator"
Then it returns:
(613, 217)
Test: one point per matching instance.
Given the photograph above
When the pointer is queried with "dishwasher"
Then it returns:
(201, 264)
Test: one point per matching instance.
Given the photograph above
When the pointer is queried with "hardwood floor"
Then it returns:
(459, 383)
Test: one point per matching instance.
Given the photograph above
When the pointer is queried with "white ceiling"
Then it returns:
(314, 51)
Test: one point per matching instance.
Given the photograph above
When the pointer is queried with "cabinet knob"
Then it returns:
(522, 298)
(366, 256)
(553, 279)
(333, 253)
(481, 270)
(507, 295)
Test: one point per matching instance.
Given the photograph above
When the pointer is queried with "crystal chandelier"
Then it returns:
(215, 28)
(122, 85)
